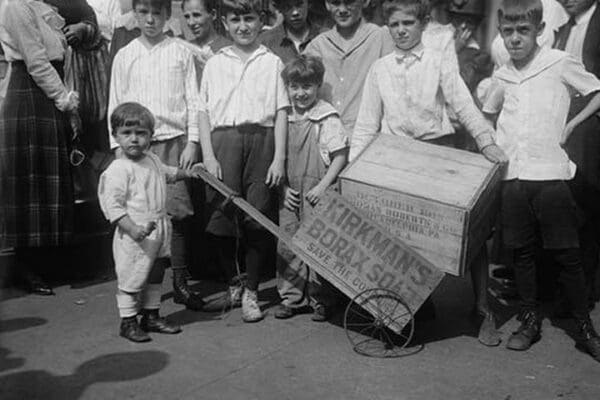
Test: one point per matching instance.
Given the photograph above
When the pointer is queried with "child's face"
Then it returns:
(134, 140)
(303, 95)
(346, 13)
(406, 29)
(295, 13)
(520, 38)
(198, 19)
(576, 7)
(243, 28)
(151, 20)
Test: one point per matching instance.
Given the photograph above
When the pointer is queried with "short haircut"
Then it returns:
(280, 4)
(158, 4)
(304, 69)
(241, 7)
(209, 5)
(131, 114)
(419, 8)
(519, 10)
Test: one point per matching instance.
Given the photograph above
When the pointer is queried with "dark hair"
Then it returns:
(131, 114)
(280, 4)
(519, 10)
(419, 8)
(209, 5)
(304, 69)
(158, 4)
(240, 7)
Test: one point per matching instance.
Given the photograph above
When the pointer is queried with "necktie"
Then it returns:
(562, 35)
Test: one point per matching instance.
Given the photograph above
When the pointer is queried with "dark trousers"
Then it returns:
(245, 154)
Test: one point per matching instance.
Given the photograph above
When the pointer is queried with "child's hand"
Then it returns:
(567, 133)
(194, 171)
(462, 36)
(276, 173)
(494, 154)
(213, 166)
(189, 155)
(291, 199)
(139, 233)
(314, 195)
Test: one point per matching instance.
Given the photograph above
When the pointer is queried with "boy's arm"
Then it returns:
(458, 96)
(575, 76)
(192, 96)
(590, 109)
(339, 158)
(370, 114)
(276, 172)
(208, 155)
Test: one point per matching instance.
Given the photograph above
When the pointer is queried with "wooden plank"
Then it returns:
(434, 230)
(405, 165)
(355, 253)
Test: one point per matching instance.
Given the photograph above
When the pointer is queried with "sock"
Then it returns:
(127, 304)
(151, 297)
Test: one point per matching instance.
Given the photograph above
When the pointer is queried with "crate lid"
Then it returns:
(406, 165)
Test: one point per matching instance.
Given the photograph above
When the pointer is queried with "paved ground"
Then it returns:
(67, 347)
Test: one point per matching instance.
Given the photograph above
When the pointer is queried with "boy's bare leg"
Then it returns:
(488, 334)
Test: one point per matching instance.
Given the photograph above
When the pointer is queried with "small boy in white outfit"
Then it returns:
(133, 195)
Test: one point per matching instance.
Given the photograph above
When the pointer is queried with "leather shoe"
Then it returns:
(152, 322)
(527, 334)
(182, 293)
(320, 313)
(283, 312)
(590, 339)
(131, 330)
(38, 286)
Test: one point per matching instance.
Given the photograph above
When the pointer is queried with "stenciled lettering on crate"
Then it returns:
(440, 201)
(355, 253)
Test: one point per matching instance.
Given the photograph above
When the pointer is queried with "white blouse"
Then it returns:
(31, 31)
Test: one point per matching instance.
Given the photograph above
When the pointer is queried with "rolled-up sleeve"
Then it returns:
(332, 137)
(112, 192)
(370, 114)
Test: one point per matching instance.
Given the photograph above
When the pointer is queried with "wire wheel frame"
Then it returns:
(369, 332)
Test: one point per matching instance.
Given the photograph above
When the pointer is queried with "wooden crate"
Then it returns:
(441, 201)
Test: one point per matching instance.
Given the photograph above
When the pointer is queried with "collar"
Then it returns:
(228, 51)
(321, 110)
(364, 30)
(416, 51)
(586, 16)
(546, 58)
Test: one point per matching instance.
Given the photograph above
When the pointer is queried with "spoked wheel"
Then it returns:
(368, 319)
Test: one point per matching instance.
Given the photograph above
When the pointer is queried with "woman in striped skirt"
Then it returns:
(36, 196)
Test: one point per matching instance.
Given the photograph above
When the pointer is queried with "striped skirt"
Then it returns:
(36, 195)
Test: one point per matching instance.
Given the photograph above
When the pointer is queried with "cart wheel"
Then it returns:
(368, 332)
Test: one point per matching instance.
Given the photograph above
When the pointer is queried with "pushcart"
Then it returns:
(386, 280)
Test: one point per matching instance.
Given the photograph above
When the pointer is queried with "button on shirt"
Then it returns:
(533, 103)
(406, 93)
(163, 79)
(346, 65)
(234, 92)
(577, 36)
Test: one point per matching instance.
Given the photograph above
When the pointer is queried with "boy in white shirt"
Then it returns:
(406, 93)
(159, 72)
(243, 129)
(532, 94)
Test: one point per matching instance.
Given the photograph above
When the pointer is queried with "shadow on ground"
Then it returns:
(118, 367)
